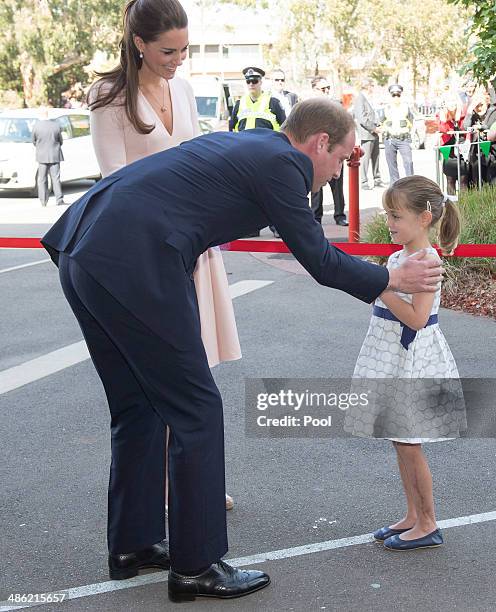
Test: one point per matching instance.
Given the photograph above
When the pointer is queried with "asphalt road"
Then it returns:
(288, 492)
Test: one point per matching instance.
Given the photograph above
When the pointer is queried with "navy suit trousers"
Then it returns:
(150, 384)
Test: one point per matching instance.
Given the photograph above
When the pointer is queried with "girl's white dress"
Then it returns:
(414, 395)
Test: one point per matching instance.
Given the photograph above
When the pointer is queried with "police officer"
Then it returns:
(256, 109)
(397, 128)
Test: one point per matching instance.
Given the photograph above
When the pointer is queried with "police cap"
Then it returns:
(395, 89)
(251, 71)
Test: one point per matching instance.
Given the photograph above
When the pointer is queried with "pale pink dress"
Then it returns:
(117, 144)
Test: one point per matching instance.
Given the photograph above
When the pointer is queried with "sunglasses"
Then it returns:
(253, 81)
(327, 88)
(279, 80)
(396, 95)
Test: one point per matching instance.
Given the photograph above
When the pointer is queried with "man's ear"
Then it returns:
(322, 141)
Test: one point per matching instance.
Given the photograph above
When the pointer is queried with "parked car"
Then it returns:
(213, 102)
(18, 166)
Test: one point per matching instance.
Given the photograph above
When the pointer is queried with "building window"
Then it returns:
(212, 50)
(243, 51)
(194, 51)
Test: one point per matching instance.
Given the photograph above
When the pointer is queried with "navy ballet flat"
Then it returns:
(386, 532)
(431, 540)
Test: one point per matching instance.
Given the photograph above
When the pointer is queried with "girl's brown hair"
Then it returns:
(147, 19)
(418, 193)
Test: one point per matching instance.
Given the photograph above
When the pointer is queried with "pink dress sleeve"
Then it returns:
(117, 144)
(107, 133)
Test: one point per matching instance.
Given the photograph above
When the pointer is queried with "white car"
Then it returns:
(18, 166)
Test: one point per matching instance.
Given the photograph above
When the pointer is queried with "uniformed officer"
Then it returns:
(256, 109)
(397, 128)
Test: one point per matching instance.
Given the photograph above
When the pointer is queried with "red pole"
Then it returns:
(354, 194)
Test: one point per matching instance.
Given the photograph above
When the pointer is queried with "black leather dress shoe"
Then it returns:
(220, 580)
(128, 565)
(342, 222)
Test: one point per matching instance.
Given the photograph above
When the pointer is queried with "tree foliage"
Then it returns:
(386, 34)
(42, 39)
(483, 34)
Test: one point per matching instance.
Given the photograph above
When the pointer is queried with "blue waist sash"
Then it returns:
(408, 334)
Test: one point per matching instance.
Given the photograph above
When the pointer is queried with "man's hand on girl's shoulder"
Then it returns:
(420, 273)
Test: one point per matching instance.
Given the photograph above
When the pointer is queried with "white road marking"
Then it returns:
(33, 263)
(48, 364)
(247, 286)
(274, 555)
(70, 355)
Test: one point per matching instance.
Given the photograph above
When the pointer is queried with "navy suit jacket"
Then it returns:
(206, 192)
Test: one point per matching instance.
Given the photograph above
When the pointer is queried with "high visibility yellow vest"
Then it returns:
(397, 120)
(251, 111)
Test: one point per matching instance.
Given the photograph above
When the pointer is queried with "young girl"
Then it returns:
(403, 347)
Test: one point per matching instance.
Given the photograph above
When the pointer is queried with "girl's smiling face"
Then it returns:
(407, 227)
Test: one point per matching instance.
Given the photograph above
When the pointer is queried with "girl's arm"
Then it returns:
(414, 315)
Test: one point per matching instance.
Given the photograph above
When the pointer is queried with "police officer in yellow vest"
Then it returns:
(256, 109)
(397, 129)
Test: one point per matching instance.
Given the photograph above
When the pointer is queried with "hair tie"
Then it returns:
(446, 198)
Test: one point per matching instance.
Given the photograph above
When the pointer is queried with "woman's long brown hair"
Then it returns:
(147, 19)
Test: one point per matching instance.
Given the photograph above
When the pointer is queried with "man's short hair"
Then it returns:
(280, 71)
(316, 80)
(316, 116)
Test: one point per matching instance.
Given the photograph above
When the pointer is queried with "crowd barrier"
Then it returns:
(278, 246)
(461, 149)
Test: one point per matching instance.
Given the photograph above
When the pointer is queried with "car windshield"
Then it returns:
(16, 129)
(207, 106)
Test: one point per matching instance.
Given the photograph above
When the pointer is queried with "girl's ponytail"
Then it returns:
(449, 230)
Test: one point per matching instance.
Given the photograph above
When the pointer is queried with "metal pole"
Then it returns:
(354, 195)
(457, 151)
(437, 162)
(479, 168)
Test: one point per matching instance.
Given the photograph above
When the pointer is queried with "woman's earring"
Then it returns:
(141, 54)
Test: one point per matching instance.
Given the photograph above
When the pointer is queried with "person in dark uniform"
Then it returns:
(126, 252)
(256, 109)
(321, 87)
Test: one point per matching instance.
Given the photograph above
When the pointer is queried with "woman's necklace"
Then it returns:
(162, 106)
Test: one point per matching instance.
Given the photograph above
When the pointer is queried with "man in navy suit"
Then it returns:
(126, 253)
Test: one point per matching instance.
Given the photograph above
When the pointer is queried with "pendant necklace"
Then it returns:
(162, 106)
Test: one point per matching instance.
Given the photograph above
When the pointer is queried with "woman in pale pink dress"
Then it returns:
(142, 107)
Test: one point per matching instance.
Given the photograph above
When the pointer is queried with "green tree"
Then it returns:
(482, 32)
(44, 39)
(382, 33)
(418, 44)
